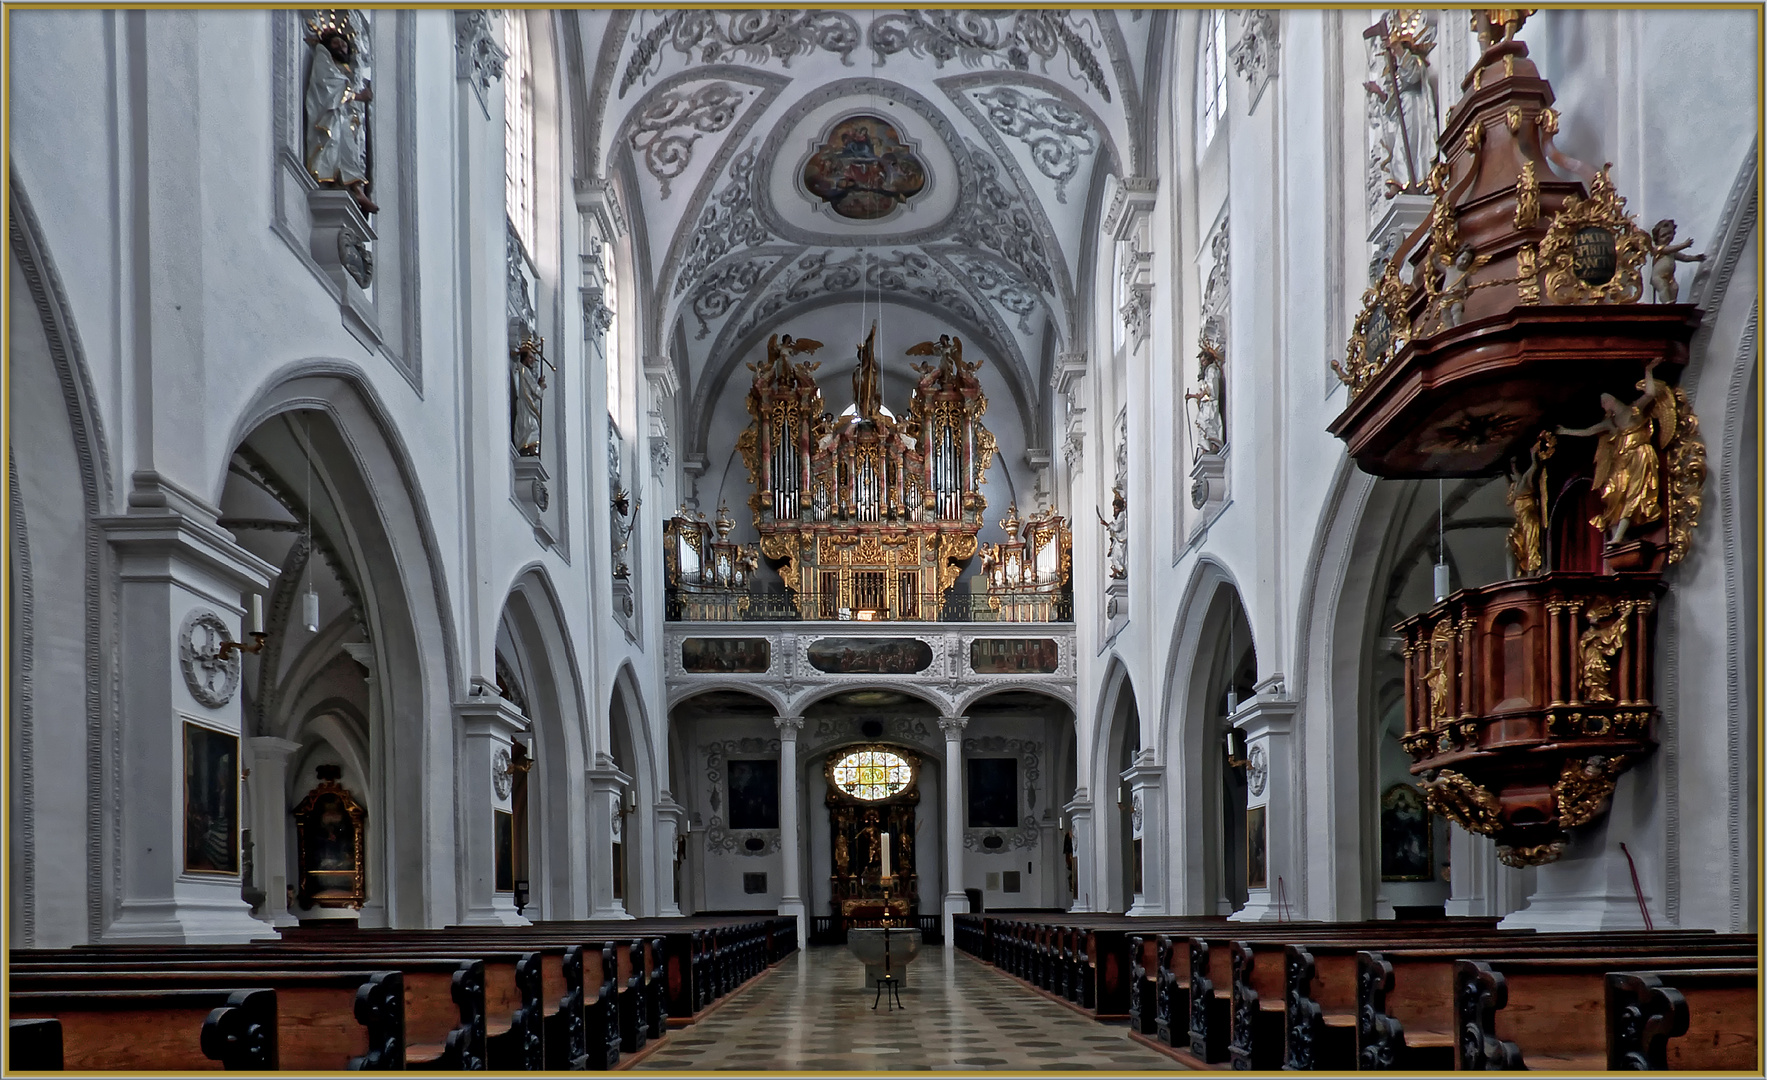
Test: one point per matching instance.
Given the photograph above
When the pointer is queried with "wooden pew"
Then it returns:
(1684, 1020)
(326, 1021)
(1406, 995)
(170, 1030)
(443, 999)
(34, 1045)
(1550, 1010)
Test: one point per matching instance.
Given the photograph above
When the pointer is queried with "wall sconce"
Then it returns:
(257, 632)
(521, 895)
(1233, 742)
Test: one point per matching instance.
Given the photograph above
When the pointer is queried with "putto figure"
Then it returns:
(1664, 254)
(338, 93)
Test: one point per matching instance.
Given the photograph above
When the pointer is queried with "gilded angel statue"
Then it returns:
(1628, 468)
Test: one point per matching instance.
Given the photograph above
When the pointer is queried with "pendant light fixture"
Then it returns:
(310, 600)
(1441, 542)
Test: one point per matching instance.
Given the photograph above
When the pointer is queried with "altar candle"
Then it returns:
(886, 855)
(257, 613)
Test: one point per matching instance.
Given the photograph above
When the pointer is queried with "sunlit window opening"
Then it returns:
(872, 774)
(518, 127)
(1211, 78)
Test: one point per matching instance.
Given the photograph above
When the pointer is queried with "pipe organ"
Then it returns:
(866, 514)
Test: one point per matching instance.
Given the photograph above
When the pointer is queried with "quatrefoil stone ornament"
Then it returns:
(500, 773)
(211, 678)
(1257, 769)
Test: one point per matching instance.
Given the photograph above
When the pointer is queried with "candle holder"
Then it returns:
(228, 648)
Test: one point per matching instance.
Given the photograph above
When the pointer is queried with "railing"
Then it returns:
(832, 929)
(952, 606)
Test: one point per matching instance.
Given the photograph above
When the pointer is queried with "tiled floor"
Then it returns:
(957, 1014)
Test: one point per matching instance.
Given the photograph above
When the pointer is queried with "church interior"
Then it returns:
(871, 539)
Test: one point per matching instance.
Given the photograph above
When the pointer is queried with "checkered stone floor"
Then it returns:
(957, 1014)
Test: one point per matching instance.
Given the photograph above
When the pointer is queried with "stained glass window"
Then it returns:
(872, 774)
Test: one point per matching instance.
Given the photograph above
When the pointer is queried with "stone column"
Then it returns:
(184, 586)
(671, 821)
(955, 899)
(791, 900)
(1147, 789)
(607, 788)
(1079, 812)
(270, 822)
(491, 723)
(1268, 723)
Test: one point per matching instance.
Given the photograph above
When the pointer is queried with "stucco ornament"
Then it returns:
(1007, 40)
(500, 779)
(1057, 134)
(211, 678)
(663, 135)
(1257, 769)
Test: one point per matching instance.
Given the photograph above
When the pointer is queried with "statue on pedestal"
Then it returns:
(1664, 254)
(338, 93)
(527, 392)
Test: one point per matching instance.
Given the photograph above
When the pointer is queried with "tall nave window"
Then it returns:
(518, 127)
(1211, 77)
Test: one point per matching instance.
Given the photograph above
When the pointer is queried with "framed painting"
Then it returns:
(870, 656)
(329, 836)
(1014, 656)
(1406, 848)
(1257, 872)
(754, 793)
(503, 845)
(993, 793)
(211, 800)
(725, 656)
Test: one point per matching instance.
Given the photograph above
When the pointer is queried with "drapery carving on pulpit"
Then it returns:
(339, 90)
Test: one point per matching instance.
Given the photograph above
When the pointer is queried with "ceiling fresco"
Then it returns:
(946, 167)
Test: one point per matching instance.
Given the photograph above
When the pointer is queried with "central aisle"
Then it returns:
(957, 1013)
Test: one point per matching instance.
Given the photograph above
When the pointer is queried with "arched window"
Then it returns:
(1211, 77)
(610, 341)
(518, 127)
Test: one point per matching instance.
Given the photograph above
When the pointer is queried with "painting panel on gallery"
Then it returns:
(993, 793)
(211, 801)
(754, 794)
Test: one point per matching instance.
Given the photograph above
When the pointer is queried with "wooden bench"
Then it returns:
(1684, 1020)
(163, 1029)
(1406, 995)
(1509, 1010)
(325, 1020)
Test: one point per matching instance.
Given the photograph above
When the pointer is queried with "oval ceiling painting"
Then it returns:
(864, 169)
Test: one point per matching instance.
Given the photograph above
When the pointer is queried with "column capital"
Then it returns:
(788, 726)
(953, 727)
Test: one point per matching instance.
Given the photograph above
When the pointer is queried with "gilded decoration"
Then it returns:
(1596, 647)
(1380, 331)
(1583, 788)
(872, 794)
(1522, 856)
(1461, 801)
(1527, 497)
(1439, 680)
(1593, 251)
(874, 514)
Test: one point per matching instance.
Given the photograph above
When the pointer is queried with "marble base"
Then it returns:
(868, 946)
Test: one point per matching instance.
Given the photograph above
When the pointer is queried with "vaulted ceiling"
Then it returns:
(1009, 123)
